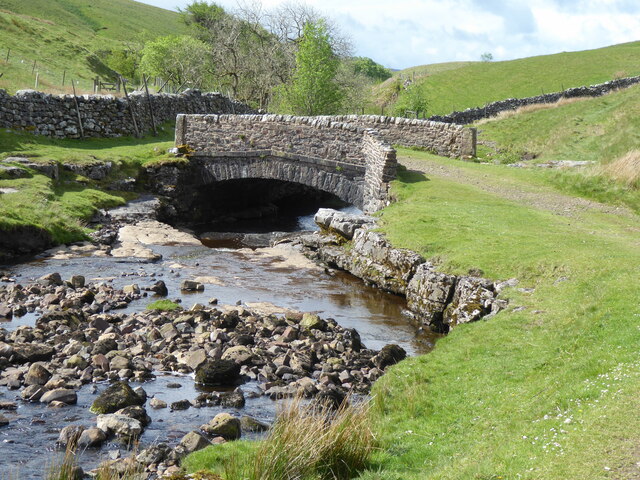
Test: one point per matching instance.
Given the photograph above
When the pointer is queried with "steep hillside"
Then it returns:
(71, 36)
(477, 83)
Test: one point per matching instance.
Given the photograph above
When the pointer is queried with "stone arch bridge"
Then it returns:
(347, 156)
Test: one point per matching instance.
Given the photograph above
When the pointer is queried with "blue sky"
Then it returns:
(404, 33)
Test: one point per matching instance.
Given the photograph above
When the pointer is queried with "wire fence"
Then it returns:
(18, 72)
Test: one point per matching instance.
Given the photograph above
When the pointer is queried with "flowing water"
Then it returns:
(263, 279)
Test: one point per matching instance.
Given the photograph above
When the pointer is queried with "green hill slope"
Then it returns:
(70, 35)
(477, 83)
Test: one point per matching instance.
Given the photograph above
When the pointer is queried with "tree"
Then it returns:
(313, 89)
(181, 59)
(370, 69)
(486, 57)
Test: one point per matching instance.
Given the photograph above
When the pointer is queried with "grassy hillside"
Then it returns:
(70, 35)
(604, 131)
(478, 83)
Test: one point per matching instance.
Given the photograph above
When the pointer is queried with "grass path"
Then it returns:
(545, 198)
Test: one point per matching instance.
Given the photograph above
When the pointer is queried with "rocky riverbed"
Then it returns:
(205, 370)
(76, 343)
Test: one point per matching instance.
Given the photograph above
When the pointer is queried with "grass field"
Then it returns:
(479, 83)
(543, 390)
(66, 37)
(63, 206)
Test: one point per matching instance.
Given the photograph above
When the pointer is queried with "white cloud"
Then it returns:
(404, 33)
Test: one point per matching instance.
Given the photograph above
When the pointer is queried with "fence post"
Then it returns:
(133, 115)
(33, 69)
(75, 101)
(8, 53)
(37, 78)
(64, 74)
(153, 121)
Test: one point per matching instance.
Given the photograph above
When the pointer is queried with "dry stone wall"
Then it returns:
(471, 115)
(347, 160)
(104, 115)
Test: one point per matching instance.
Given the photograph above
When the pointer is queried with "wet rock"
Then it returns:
(250, 424)
(119, 363)
(4, 421)
(5, 405)
(115, 397)
(233, 399)
(32, 352)
(196, 358)
(224, 425)
(133, 289)
(51, 279)
(181, 405)
(6, 312)
(63, 395)
(37, 375)
(159, 288)
(311, 321)
(70, 435)
(92, 438)
(194, 441)
(343, 224)
(76, 361)
(157, 403)
(77, 281)
(33, 393)
(239, 354)
(389, 355)
(137, 412)
(119, 425)
(218, 372)
(191, 286)
(154, 454)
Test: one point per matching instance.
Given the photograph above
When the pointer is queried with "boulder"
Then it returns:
(92, 438)
(32, 352)
(218, 372)
(37, 375)
(157, 403)
(428, 294)
(193, 441)
(119, 425)
(250, 424)
(239, 354)
(77, 281)
(159, 288)
(33, 393)
(311, 321)
(64, 395)
(51, 279)
(4, 421)
(115, 397)
(471, 301)
(137, 412)
(224, 425)
(70, 435)
(389, 355)
(191, 286)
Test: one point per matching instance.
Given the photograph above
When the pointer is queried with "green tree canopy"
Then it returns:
(179, 58)
(370, 69)
(313, 89)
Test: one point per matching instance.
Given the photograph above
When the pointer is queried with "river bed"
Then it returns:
(268, 280)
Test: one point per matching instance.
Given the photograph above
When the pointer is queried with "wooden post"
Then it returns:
(153, 121)
(75, 101)
(33, 69)
(37, 78)
(163, 85)
(8, 53)
(64, 74)
(133, 115)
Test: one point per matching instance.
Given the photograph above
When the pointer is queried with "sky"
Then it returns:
(405, 33)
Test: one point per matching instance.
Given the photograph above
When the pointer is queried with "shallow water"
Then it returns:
(261, 279)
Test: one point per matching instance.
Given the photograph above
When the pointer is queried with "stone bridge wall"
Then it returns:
(445, 139)
(349, 161)
(104, 115)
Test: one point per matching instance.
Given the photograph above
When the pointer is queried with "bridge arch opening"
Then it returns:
(255, 205)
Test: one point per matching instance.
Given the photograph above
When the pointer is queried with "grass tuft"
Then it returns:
(625, 169)
(163, 306)
(306, 441)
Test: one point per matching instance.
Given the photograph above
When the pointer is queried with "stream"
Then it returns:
(267, 280)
